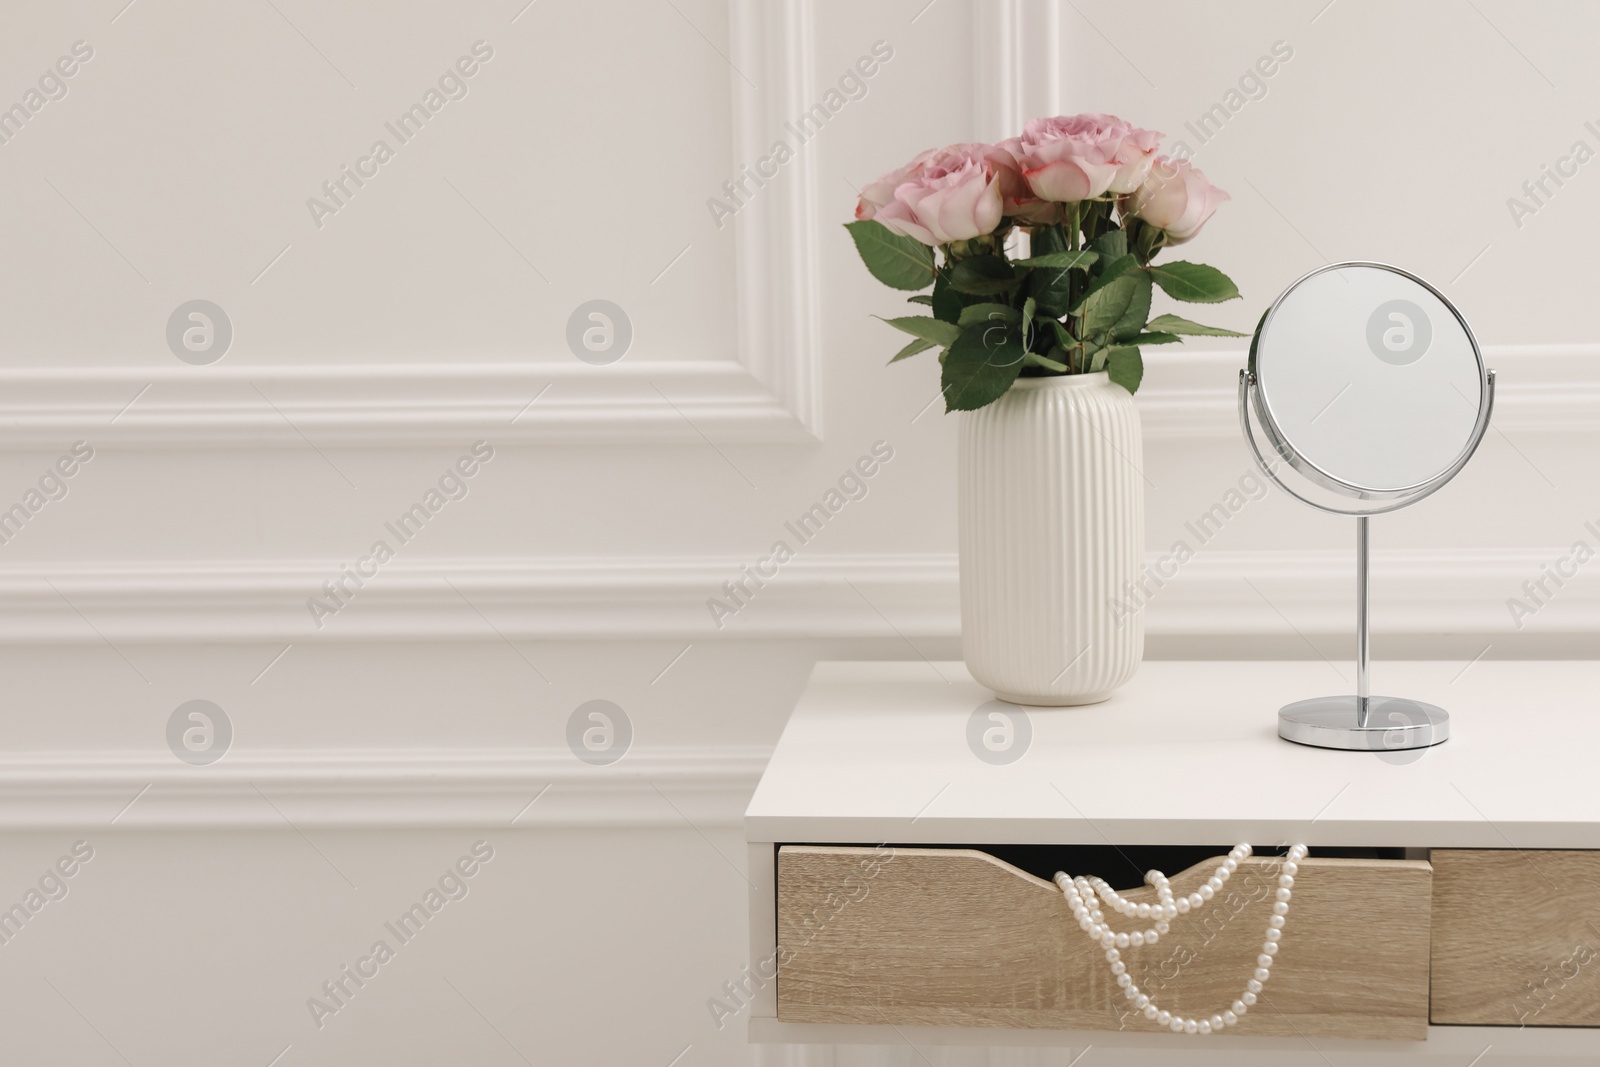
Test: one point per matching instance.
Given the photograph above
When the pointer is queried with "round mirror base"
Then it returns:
(1390, 725)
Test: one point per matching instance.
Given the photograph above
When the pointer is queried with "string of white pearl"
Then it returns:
(1081, 892)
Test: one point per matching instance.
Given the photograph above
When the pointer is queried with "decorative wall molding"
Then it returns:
(389, 405)
(691, 788)
(1016, 64)
(909, 597)
(1190, 394)
(779, 287)
(766, 393)
(526, 598)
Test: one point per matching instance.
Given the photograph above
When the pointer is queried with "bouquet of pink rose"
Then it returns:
(1098, 204)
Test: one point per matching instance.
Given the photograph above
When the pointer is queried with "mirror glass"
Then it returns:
(1369, 377)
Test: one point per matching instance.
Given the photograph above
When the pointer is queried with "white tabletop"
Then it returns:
(1188, 753)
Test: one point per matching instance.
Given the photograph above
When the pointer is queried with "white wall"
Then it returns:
(371, 352)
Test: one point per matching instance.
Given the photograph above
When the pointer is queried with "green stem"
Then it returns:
(1072, 246)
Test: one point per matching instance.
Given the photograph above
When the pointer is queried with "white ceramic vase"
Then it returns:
(1052, 533)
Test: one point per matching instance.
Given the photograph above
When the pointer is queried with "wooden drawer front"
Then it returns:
(915, 936)
(1516, 937)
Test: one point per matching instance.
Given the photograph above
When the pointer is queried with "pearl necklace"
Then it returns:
(1080, 893)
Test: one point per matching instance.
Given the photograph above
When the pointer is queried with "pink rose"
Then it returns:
(1078, 157)
(878, 193)
(1176, 198)
(950, 194)
(1016, 198)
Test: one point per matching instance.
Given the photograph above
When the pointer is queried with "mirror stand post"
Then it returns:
(1363, 641)
(1363, 722)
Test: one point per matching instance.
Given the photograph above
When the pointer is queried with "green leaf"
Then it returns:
(1175, 324)
(919, 344)
(1063, 338)
(946, 301)
(920, 298)
(1095, 219)
(1132, 320)
(1052, 281)
(983, 275)
(973, 314)
(1092, 355)
(1155, 338)
(981, 366)
(1051, 289)
(1036, 360)
(894, 260)
(1047, 239)
(1029, 306)
(1111, 245)
(929, 329)
(1109, 273)
(1106, 306)
(1194, 283)
(1125, 366)
(1061, 260)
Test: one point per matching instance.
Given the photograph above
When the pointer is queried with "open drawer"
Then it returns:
(1450, 902)
(943, 936)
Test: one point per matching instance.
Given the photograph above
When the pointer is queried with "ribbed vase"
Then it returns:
(1052, 535)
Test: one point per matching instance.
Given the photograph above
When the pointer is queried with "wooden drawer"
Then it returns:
(1516, 937)
(931, 936)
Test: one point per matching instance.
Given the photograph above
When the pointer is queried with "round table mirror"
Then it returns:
(1367, 385)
